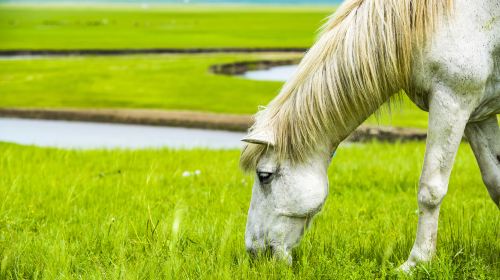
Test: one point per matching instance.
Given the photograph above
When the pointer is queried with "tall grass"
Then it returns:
(132, 214)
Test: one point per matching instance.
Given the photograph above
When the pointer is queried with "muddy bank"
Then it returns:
(130, 116)
(387, 134)
(194, 120)
(239, 68)
(117, 52)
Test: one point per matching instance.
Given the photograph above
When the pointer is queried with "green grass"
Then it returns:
(174, 82)
(164, 82)
(130, 214)
(24, 27)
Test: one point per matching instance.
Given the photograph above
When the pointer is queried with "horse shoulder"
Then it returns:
(461, 55)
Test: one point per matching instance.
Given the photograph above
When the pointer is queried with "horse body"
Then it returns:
(464, 53)
(446, 56)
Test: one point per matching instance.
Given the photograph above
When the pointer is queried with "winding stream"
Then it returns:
(278, 73)
(87, 135)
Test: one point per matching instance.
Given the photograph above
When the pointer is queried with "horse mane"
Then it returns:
(363, 57)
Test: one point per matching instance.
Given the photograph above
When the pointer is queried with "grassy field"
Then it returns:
(173, 82)
(25, 27)
(179, 82)
(118, 214)
(166, 82)
(132, 215)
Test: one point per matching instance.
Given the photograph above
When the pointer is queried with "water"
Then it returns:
(22, 57)
(278, 73)
(302, 2)
(85, 135)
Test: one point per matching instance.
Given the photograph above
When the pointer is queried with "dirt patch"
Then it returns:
(144, 117)
(386, 134)
(195, 120)
(239, 68)
(116, 52)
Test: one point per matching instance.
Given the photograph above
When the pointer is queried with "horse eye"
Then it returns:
(265, 177)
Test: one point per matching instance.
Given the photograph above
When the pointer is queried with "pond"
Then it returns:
(277, 73)
(86, 135)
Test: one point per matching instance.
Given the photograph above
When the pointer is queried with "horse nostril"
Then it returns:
(252, 252)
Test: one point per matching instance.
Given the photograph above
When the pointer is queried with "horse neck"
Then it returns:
(354, 120)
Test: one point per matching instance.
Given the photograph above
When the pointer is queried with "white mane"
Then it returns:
(362, 58)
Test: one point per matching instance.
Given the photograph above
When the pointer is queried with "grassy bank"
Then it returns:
(176, 82)
(24, 27)
(131, 214)
(173, 82)
(165, 82)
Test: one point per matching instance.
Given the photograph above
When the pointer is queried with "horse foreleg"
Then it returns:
(484, 138)
(448, 116)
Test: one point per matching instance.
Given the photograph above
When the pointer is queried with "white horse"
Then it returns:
(445, 54)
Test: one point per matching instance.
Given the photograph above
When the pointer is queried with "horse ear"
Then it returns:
(260, 136)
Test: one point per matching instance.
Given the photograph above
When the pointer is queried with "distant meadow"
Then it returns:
(260, 2)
